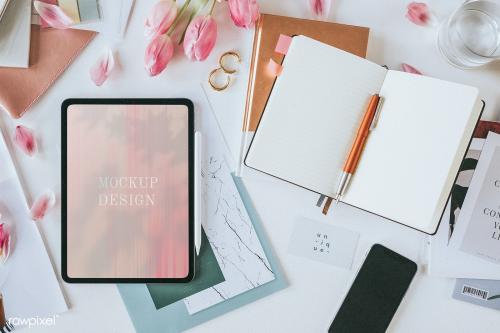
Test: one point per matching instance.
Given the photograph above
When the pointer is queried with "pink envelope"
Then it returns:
(51, 52)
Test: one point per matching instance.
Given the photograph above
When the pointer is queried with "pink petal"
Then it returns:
(25, 140)
(42, 204)
(53, 15)
(4, 242)
(160, 18)
(410, 69)
(244, 13)
(43, 23)
(320, 8)
(158, 54)
(102, 68)
(418, 13)
(200, 38)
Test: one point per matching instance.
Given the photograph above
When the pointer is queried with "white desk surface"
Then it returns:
(315, 290)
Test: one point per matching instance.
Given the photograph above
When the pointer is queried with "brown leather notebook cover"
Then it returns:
(484, 127)
(51, 52)
(349, 38)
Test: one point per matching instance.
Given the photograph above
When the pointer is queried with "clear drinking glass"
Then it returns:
(471, 36)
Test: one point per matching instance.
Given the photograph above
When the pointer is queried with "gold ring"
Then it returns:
(213, 85)
(221, 61)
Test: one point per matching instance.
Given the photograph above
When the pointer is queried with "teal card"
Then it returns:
(208, 274)
(147, 318)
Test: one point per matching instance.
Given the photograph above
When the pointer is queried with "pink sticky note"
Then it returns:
(283, 44)
(273, 68)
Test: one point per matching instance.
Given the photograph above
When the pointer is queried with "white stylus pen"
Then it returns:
(197, 191)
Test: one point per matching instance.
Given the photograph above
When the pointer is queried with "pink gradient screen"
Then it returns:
(127, 191)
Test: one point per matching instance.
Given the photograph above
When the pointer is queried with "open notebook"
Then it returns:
(408, 166)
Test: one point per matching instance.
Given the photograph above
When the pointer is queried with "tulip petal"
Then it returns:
(244, 13)
(53, 15)
(44, 24)
(158, 54)
(160, 18)
(200, 38)
(320, 8)
(102, 68)
(25, 140)
(4, 242)
(410, 69)
(42, 204)
(419, 13)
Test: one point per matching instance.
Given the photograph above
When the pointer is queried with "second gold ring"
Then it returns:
(213, 82)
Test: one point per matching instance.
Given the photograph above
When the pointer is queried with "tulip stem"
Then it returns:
(185, 30)
(178, 17)
(212, 8)
(201, 4)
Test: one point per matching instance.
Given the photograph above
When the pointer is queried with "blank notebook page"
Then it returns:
(312, 114)
(412, 157)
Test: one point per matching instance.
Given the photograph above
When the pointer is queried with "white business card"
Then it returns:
(323, 242)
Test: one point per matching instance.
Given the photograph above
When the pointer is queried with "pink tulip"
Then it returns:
(320, 8)
(4, 242)
(200, 38)
(25, 140)
(42, 204)
(53, 15)
(244, 13)
(158, 54)
(419, 13)
(160, 18)
(102, 68)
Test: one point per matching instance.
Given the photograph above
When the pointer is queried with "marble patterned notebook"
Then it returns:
(231, 235)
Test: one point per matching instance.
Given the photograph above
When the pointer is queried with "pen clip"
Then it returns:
(377, 113)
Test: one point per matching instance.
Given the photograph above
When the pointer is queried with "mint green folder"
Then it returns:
(174, 317)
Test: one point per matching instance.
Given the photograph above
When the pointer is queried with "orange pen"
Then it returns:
(358, 145)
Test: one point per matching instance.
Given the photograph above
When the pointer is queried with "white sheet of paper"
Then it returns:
(27, 280)
(227, 225)
(15, 34)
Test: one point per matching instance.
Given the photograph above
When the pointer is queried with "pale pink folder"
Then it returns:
(51, 52)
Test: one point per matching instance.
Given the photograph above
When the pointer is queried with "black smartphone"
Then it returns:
(376, 292)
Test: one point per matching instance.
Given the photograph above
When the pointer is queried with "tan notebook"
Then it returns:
(407, 168)
(350, 38)
(51, 53)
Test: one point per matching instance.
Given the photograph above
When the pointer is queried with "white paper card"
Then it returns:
(481, 209)
(27, 280)
(323, 242)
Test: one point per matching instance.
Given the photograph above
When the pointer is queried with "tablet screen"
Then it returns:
(127, 199)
